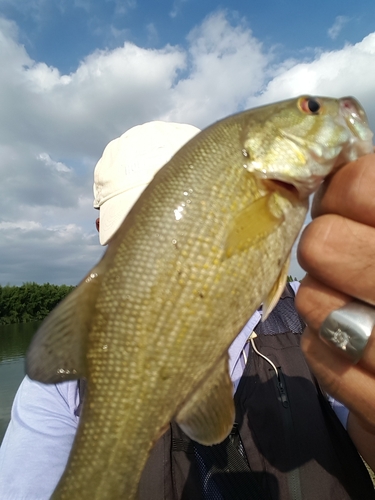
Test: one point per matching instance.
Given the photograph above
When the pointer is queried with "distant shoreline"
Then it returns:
(30, 301)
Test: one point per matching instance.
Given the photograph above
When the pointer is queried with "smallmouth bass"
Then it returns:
(206, 243)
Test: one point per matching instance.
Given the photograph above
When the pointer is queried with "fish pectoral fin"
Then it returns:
(56, 352)
(276, 291)
(208, 416)
(252, 224)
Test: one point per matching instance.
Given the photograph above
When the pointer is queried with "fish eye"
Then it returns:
(309, 105)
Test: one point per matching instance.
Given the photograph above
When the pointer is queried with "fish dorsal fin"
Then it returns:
(276, 291)
(252, 224)
(208, 416)
(56, 352)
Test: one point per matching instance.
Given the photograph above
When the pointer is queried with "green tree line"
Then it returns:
(290, 278)
(32, 302)
(29, 302)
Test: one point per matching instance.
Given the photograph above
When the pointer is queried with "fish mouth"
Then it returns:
(287, 189)
(355, 118)
(359, 142)
(356, 121)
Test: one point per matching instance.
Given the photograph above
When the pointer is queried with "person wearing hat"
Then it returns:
(283, 445)
(128, 165)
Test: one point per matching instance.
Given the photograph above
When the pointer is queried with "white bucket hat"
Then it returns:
(128, 165)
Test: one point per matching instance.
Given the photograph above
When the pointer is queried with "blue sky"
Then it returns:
(62, 33)
(78, 73)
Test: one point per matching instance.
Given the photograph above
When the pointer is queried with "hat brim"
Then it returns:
(114, 211)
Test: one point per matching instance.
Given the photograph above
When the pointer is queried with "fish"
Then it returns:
(208, 241)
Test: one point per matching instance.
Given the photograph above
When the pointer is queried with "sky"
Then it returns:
(78, 73)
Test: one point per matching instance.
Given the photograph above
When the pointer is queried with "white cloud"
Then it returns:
(33, 9)
(349, 71)
(80, 112)
(55, 165)
(337, 26)
(31, 252)
(82, 4)
(54, 127)
(176, 8)
(152, 33)
(23, 225)
(226, 64)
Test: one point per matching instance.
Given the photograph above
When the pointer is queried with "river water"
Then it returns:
(14, 340)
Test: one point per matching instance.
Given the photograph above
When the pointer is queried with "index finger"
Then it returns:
(349, 193)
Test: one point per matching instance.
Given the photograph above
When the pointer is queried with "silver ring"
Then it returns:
(349, 328)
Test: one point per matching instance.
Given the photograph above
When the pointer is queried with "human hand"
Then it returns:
(338, 252)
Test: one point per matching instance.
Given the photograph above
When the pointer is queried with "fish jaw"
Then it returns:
(360, 141)
(341, 135)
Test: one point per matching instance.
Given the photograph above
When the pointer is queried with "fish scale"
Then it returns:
(205, 244)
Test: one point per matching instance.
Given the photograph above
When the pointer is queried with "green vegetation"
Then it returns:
(29, 302)
(290, 278)
(32, 302)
